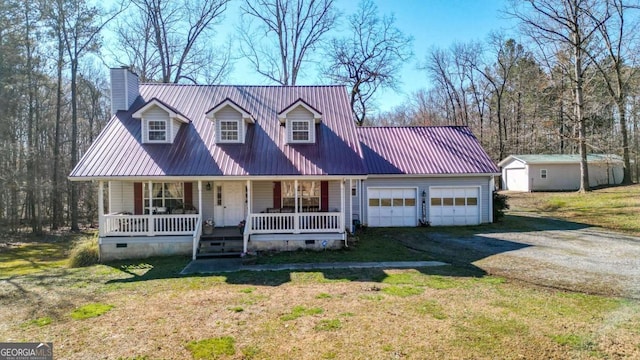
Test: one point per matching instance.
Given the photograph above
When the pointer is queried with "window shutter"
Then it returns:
(277, 195)
(324, 196)
(137, 198)
(188, 193)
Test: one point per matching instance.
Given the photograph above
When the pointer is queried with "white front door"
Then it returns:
(232, 203)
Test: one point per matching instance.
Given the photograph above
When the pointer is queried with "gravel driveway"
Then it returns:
(549, 252)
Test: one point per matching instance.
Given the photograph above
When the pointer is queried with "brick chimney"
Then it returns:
(124, 89)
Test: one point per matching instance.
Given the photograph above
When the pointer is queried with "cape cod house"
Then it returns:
(283, 167)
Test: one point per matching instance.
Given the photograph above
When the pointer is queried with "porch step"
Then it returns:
(213, 246)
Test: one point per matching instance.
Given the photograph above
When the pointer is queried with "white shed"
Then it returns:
(558, 172)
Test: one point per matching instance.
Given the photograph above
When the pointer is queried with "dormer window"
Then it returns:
(157, 131)
(299, 120)
(300, 131)
(229, 131)
(230, 121)
(160, 122)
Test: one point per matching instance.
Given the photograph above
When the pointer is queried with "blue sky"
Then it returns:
(432, 23)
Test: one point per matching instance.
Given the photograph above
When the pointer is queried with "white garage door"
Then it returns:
(392, 207)
(454, 206)
(517, 179)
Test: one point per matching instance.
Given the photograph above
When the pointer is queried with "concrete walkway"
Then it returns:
(208, 266)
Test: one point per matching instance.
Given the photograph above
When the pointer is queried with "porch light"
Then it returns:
(424, 194)
(208, 186)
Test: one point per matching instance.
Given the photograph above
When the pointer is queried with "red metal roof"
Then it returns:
(118, 150)
(429, 150)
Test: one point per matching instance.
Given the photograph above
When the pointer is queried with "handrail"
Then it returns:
(149, 225)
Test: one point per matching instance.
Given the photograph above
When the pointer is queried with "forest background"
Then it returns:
(562, 78)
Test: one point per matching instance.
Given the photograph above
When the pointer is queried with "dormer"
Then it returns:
(231, 121)
(299, 120)
(160, 122)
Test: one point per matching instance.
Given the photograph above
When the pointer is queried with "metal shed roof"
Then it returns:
(561, 158)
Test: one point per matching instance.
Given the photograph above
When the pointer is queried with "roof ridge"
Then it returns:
(236, 85)
(410, 126)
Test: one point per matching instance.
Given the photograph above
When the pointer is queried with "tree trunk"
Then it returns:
(622, 111)
(584, 169)
(73, 197)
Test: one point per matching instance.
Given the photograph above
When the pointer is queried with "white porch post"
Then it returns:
(151, 229)
(360, 200)
(200, 199)
(296, 217)
(101, 208)
(342, 205)
(351, 204)
(247, 227)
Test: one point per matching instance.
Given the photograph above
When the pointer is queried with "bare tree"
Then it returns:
(618, 64)
(507, 54)
(170, 41)
(572, 23)
(370, 58)
(80, 27)
(286, 33)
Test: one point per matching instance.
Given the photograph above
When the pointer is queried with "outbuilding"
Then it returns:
(558, 172)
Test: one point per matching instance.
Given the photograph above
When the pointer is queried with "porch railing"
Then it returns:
(296, 223)
(149, 225)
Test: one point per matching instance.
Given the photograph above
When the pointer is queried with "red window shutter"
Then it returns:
(188, 193)
(324, 196)
(277, 195)
(137, 198)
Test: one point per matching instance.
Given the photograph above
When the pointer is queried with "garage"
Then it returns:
(392, 207)
(454, 206)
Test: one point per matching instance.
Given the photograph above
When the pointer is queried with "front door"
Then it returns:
(232, 203)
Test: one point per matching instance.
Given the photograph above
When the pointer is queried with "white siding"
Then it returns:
(559, 177)
(423, 183)
(262, 193)
(605, 174)
(124, 89)
(300, 113)
(156, 114)
(175, 127)
(120, 196)
(207, 199)
(228, 113)
(133, 88)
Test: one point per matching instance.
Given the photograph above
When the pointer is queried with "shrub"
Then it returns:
(84, 253)
(499, 206)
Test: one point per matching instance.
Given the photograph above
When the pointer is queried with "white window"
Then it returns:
(300, 131)
(165, 196)
(157, 130)
(354, 189)
(229, 131)
(308, 195)
(543, 173)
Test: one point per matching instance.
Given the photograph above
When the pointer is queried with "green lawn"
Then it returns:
(145, 310)
(615, 208)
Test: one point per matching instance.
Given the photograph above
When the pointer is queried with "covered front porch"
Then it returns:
(280, 214)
